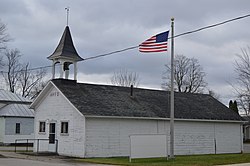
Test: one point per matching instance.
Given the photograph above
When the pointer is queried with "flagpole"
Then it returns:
(172, 93)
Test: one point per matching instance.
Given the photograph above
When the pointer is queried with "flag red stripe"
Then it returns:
(153, 44)
(156, 47)
(148, 43)
(153, 50)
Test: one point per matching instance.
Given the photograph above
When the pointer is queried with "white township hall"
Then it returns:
(91, 120)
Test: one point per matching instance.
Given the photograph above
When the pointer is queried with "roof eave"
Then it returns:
(55, 57)
(15, 102)
(21, 116)
(157, 118)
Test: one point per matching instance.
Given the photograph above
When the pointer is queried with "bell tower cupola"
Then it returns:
(65, 54)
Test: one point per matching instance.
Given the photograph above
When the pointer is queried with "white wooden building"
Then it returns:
(16, 119)
(96, 120)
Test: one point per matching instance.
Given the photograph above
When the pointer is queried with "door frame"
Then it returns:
(52, 133)
(53, 143)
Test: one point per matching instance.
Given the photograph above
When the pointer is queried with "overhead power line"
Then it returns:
(133, 47)
(182, 34)
(31, 69)
(211, 26)
(114, 52)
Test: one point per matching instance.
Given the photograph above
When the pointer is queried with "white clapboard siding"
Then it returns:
(2, 129)
(110, 137)
(194, 138)
(55, 108)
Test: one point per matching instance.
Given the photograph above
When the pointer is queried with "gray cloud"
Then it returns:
(99, 27)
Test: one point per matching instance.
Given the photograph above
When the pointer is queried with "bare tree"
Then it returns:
(242, 68)
(188, 75)
(37, 89)
(13, 67)
(19, 78)
(29, 81)
(4, 37)
(125, 78)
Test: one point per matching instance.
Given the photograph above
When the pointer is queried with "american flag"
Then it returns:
(157, 43)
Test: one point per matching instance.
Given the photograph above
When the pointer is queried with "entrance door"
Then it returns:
(52, 137)
(52, 133)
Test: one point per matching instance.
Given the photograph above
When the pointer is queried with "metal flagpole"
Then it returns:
(172, 92)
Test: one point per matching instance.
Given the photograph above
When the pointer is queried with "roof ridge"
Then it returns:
(125, 87)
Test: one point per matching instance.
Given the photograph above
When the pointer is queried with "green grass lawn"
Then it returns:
(194, 160)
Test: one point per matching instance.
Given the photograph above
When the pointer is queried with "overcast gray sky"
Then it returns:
(102, 26)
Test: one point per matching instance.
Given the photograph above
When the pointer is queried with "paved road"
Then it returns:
(244, 164)
(25, 162)
(8, 158)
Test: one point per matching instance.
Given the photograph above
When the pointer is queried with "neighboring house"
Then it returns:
(246, 128)
(16, 119)
(96, 120)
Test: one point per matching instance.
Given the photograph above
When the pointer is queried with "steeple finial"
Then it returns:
(67, 10)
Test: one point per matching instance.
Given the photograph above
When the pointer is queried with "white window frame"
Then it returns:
(40, 127)
(62, 131)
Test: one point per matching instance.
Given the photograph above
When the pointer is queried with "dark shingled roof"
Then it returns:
(66, 48)
(106, 100)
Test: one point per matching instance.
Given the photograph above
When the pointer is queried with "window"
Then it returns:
(42, 127)
(17, 128)
(64, 127)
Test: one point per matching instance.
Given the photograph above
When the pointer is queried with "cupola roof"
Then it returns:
(66, 48)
